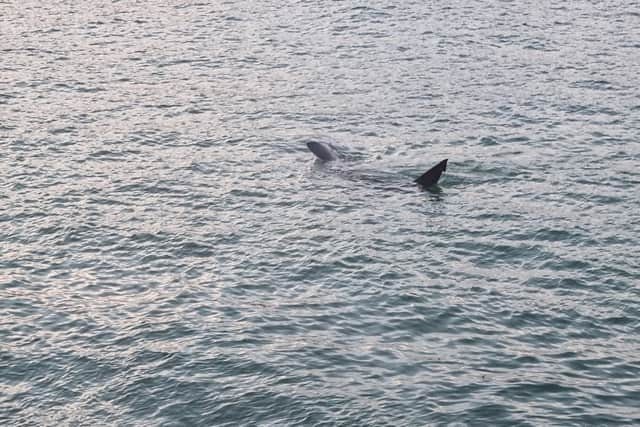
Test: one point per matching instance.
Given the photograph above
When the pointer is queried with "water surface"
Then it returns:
(171, 254)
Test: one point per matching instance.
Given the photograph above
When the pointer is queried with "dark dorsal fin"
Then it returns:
(432, 176)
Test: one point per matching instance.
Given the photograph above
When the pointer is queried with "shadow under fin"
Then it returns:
(432, 176)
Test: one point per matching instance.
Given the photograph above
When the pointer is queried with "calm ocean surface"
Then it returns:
(172, 255)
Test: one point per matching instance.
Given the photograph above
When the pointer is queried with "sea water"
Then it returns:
(171, 253)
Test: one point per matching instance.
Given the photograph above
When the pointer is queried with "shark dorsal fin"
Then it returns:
(432, 176)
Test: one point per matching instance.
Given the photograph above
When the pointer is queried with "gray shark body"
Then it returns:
(327, 153)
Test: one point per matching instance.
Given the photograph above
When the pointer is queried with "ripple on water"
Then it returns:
(170, 253)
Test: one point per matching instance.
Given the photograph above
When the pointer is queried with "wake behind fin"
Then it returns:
(432, 176)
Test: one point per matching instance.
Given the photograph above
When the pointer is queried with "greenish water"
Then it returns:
(171, 254)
